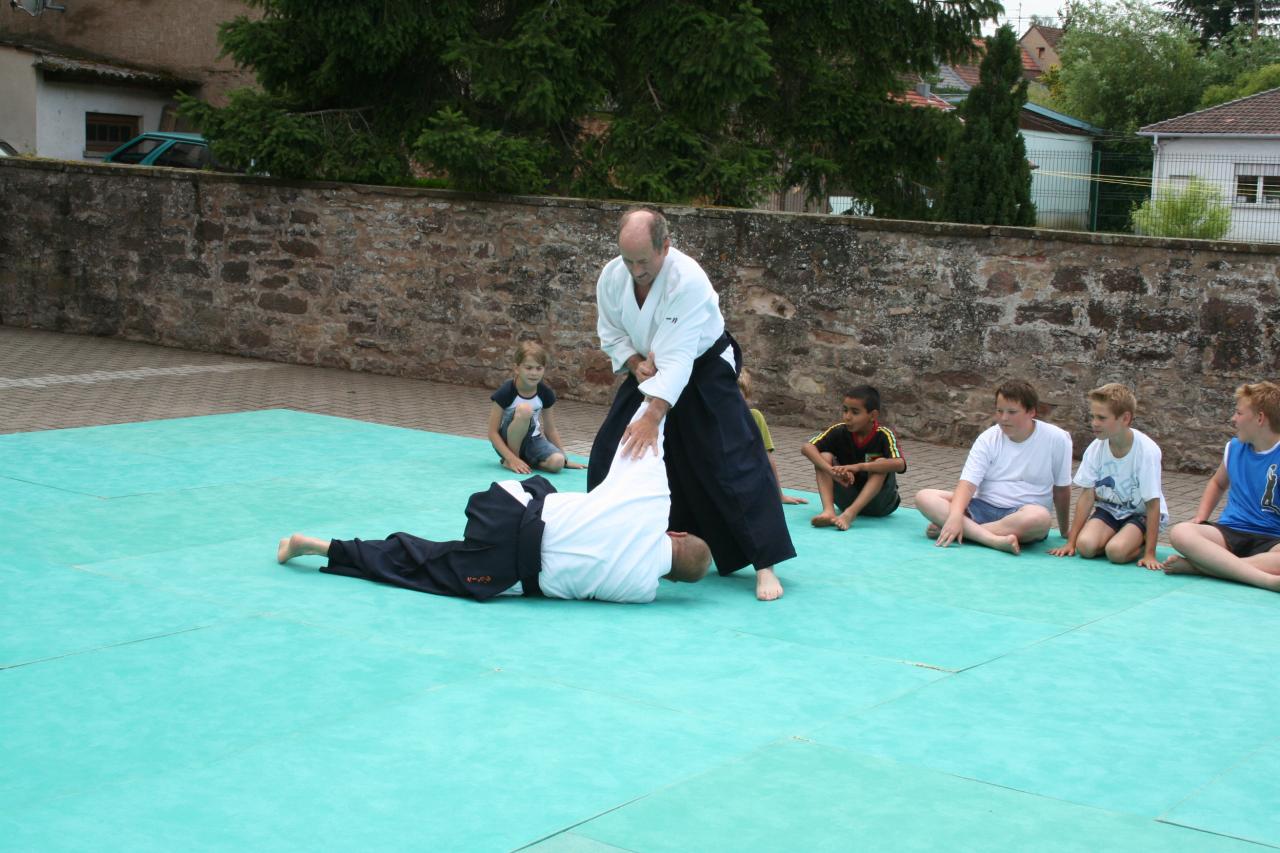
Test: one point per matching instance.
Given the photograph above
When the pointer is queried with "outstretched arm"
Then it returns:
(1062, 503)
(510, 459)
(642, 434)
(1084, 508)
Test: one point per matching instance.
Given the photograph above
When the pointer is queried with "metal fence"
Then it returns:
(1101, 190)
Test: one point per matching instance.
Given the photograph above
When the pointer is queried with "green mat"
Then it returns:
(165, 685)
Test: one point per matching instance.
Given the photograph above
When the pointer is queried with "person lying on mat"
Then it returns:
(525, 538)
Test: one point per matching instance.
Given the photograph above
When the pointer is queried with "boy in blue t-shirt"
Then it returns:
(521, 426)
(1244, 543)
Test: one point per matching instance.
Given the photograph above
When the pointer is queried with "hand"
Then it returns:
(842, 475)
(516, 466)
(640, 436)
(1150, 562)
(1068, 550)
(646, 369)
(569, 463)
(952, 531)
(788, 499)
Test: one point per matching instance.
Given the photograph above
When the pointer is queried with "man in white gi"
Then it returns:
(655, 300)
(525, 538)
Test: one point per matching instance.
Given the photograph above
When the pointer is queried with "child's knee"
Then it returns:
(1089, 548)
(553, 464)
(1181, 532)
(1118, 552)
(522, 412)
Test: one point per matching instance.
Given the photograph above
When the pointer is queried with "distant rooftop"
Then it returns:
(1255, 115)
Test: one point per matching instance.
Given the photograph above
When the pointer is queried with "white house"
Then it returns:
(1234, 146)
(59, 106)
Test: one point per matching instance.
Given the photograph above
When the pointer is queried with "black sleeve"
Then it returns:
(548, 396)
(505, 394)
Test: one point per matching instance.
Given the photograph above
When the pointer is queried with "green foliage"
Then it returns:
(1197, 210)
(1249, 83)
(988, 178)
(665, 100)
(1216, 19)
(1125, 65)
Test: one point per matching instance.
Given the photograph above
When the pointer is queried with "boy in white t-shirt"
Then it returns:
(1017, 472)
(1122, 508)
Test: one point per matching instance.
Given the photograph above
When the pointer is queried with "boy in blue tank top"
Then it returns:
(1244, 543)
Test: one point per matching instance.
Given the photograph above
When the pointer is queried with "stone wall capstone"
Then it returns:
(441, 285)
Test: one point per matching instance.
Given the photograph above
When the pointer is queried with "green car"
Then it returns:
(164, 148)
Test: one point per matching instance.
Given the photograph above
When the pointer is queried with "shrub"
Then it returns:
(1196, 210)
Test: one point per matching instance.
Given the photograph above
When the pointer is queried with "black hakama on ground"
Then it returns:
(722, 487)
(501, 545)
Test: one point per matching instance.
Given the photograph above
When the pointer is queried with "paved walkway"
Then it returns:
(50, 380)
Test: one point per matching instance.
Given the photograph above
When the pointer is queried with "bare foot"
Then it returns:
(1008, 543)
(791, 499)
(823, 519)
(286, 551)
(1179, 565)
(768, 587)
(932, 530)
(843, 521)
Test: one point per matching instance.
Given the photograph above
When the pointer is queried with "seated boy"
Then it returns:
(1122, 507)
(1016, 471)
(1244, 544)
(744, 385)
(856, 463)
(522, 427)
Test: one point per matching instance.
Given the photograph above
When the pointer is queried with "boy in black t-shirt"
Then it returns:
(522, 428)
(856, 463)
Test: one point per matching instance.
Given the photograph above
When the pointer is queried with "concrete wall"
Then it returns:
(440, 285)
(18, 81)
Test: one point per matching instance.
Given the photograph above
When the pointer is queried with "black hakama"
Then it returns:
(722, 486)
(501, 546)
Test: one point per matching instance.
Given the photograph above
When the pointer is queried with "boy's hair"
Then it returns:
(1263, 397)
(868, 396)
(530, 349)
(744, 383)
(1116, 397)
(1021, 392)
(658, 231)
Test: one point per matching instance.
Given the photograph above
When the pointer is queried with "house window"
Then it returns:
(1039, 53)
(105, 132)
(1257, 183)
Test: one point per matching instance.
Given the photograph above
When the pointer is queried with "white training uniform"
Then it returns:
(610, 543)
(1011, 474)
(1123, 486)
(679, 321)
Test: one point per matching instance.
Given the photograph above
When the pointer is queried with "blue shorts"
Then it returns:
(1138, 519)
(985, 513)
(534, 449)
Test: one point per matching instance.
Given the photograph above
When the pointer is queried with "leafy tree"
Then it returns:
(1215, 19)
(1125, 65)
(1249, 83)
(988, 177)
(1197, 210)
(711, 100)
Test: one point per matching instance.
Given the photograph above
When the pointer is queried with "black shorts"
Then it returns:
(1242, 543)
(1138, 519)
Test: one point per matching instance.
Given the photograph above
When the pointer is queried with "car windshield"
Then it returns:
(135, 152)
(184, 155)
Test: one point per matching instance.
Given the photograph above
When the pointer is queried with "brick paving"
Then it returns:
(50, 380)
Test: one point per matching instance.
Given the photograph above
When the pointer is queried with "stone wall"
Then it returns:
(440, 285)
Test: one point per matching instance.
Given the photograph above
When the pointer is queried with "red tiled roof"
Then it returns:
(970, 73)
(915, 99)
(1051, 35)
(1257, 114)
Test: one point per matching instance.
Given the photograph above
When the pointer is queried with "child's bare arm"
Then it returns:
(1084, 508)
(1062, 503)
(1148, 559)
(510, 459)
(1213, 492)
(782, 496)
(883, 465)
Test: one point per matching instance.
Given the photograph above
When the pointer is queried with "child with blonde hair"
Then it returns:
(522, 428)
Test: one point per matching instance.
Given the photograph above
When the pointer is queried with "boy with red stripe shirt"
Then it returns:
(856, 463)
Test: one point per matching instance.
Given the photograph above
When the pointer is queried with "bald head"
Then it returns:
(643, 244)
(690, 558)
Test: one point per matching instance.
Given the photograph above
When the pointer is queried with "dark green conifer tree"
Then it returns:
(988, 178)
